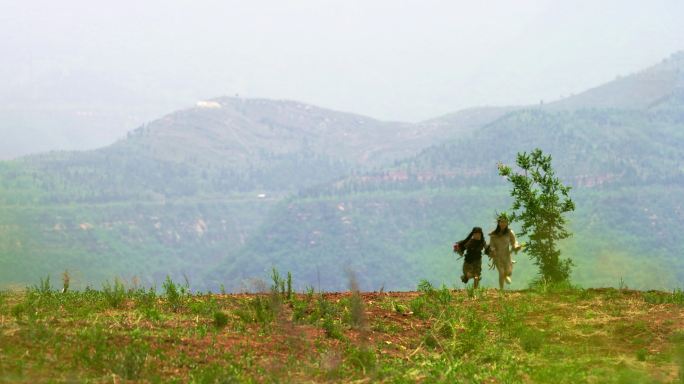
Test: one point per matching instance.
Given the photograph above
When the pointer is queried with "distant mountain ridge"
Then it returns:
(643, 90)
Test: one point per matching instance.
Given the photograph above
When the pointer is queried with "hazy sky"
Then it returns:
(69, 65)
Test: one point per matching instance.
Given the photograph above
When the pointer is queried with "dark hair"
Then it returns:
(465, 241)
(499, 230)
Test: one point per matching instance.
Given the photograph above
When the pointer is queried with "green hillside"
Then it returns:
(222, 192)
(183, 193)
(392, 238)
(396, 225)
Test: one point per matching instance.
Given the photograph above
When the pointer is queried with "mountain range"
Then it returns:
(222, 192)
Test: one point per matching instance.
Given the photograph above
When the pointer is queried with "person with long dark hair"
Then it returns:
(501, 242)
(472, 246)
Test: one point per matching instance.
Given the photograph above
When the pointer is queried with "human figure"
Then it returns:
(472, 246)
(501, 242)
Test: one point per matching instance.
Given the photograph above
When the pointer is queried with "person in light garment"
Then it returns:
(472, 246)
(502, 242)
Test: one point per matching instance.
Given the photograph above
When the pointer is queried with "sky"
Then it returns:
(78, 74)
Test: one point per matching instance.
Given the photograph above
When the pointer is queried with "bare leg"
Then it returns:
(476, 282)
(509, 270)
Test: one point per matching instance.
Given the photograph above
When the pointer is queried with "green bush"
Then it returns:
(114, 295)
(145, 298)
(220, 319)
(446, 331)
(176, 294)
(332, 328)
(44, 287)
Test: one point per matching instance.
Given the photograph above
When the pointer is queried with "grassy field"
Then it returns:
(548, 335)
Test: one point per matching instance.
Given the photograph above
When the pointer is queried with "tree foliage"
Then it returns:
(540, 201)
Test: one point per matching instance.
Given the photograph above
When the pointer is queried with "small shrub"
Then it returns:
(425, 286)
(175, 294)
(114, 295)
(309, 294)
(331, 328)
(278, 282)
(641, 354)
(446, 331)
(399, 307)
(299, 309)
(419, 307)
(220, 319)
(354, 311)
(443, 295)
(44, 288)
(145, 298)
(430, 341)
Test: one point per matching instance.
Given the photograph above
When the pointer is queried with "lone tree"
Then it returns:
(540, 202)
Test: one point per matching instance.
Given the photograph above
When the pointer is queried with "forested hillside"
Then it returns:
(396, 225)
(224, 191)
(187, 191)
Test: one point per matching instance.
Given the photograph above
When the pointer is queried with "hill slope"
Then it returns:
(642, 90)
(395, 225)
(186, 191)
(232, 187)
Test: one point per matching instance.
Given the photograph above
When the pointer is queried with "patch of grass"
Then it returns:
(531, 339)
(520, 336)
(114, 295)
(215, 373)
(386, 327)
(675, 297)
(677, 340)
(259, 309)
(641, 354)
(203, 306)
(419, 307)
(145, 298)
(130, 362)
(362, 358)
